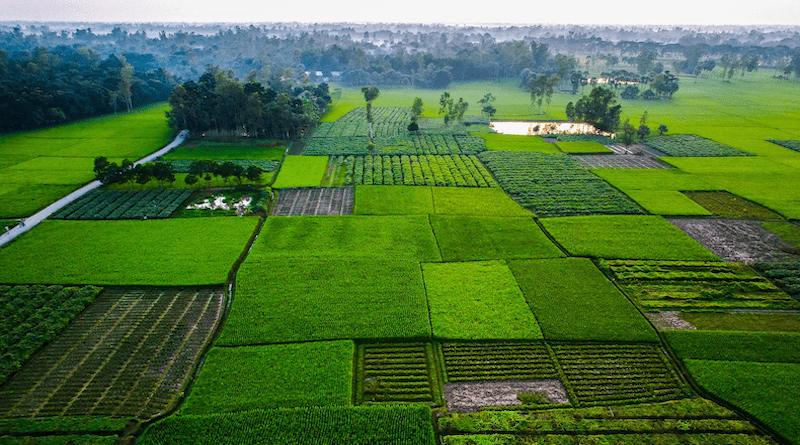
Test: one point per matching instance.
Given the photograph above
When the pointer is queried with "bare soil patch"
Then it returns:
(736, 240)
(314, 201)
(470, 396)
(669, 320)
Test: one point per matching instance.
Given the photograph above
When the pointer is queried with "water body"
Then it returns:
(537, 128)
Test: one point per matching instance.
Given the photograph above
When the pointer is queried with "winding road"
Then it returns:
(40, 216)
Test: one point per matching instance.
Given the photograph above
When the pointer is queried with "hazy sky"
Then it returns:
(622, 12)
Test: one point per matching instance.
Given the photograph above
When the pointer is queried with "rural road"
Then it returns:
(35, 219)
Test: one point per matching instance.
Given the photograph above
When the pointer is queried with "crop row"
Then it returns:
(31, 316)
(618, 374)
(791, 144)
(125, 204)
(681, 145)
(387, 122)
(183, 165)
(449, 170)
(785, 275)
(659, 285)
(144, 341)
(657, 438)
(397, 373)
(497, 361)
(554, 185)
(419, 144)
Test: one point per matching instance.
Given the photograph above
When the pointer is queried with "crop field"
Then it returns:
(314, 201)
(32, 316)
(510, 142)
(301, 171)
(497, 361)
(787, 231)
(592, 161)
(625, 237)
(727, 205)
(273, 376)
(418, 144)
(146, 343)
(573, 300)
(578, 147)
(745, 322)
(361, 425)
(785, 275)
(184, 251)
(477, 301)
(554, 185)
(38, 167)
(765, 347)
(113, 204)
(691, 145)
(397, 372)
(401, 200)
(387, 122)
(259, 150)
(446, 170)
(467, 238)
(791, 144)
(667, 203)
(696, 286)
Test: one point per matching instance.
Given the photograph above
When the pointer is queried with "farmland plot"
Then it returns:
(618, 161)
(114, 204)
(736, 240)
(728, 205)
(129, 354)
(497, 361)
(417, 144)
(691, 145)
(314, 201)
(791, 144)
(785, 275)
(397, 372)
(439, 170)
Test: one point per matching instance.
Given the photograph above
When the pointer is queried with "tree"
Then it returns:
(487, 107)
(190, 180)
(541, 88)
(645, 61)
(570, 111)
(460, 108)
(662, 129)
(665, 84)
(416, 109)
(254, 173)
(446, 106)
(643, 131)
(370, 94)
(630, 92)
(627, 134)
(599, 109)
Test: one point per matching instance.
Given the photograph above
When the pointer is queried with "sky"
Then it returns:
(620, 12)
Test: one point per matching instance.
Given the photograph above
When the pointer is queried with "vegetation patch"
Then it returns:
(128, 355)
(199, 150)
(437, 170)
(20, 200)
(467, 238)
(614, 374)
(497, 361)
(365, 237)
(572, 300)
(477, 300)
(43, 425)
(578, 147)
(114, 204)
(510, 142)
(768, 391)
(69, 439)
(667, 202)
(185, 165)
(301, 171)
(392, 200)
(362, 425)
(157, 252)
(478, 202)
(273, 376)
(679, 145)
(733, 346)
(791, 144)
(625, 237)
(785, 275)
(743, 321)
(787, 231)
(397, 372)
(696, 285)
(32, 316)
(314, 202)
(282, 300)
(728, 205)
(554, 185)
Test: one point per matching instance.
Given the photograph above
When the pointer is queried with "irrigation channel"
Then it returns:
(29, 222)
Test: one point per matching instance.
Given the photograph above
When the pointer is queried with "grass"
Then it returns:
(749, 322)
(392, 200)
(477, 301)
(274, 376)
(475, 201)
(667, 202)
(734, 346)
(768, 391)
(20, 200)
(573, 300)
(301, 171)
(625, 237)
(510, 142)
(583, 147)
(242, 151)
(467, 238)
(396, 425)
(283, 300)
(153, 252)
(337, 237)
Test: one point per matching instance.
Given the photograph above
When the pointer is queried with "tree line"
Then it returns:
(41, 87)
(219, 102)
(164, 173)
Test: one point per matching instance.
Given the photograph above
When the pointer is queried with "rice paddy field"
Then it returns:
(448, 286)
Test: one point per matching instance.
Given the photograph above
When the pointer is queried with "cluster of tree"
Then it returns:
(662, 86)
(219, 102)
(628, 133)
(41, 87)
(599, 108)
(452, 110)
(163, 172)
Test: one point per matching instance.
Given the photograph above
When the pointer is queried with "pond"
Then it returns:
(533, 128)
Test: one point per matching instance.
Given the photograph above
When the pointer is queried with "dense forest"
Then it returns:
(45, 87)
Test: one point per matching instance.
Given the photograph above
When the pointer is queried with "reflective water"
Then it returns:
(533, 128)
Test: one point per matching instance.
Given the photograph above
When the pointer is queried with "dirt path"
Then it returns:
(40, 216)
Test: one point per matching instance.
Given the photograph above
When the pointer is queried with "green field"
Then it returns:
(625, 237)
(580, 147)
(780, 347)
(392, 200)
(153, 252)
(477, 301)
(510, 142)
(750, 322)
(38, 167)
(573, 300)
(275, 376)
(301, 171)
